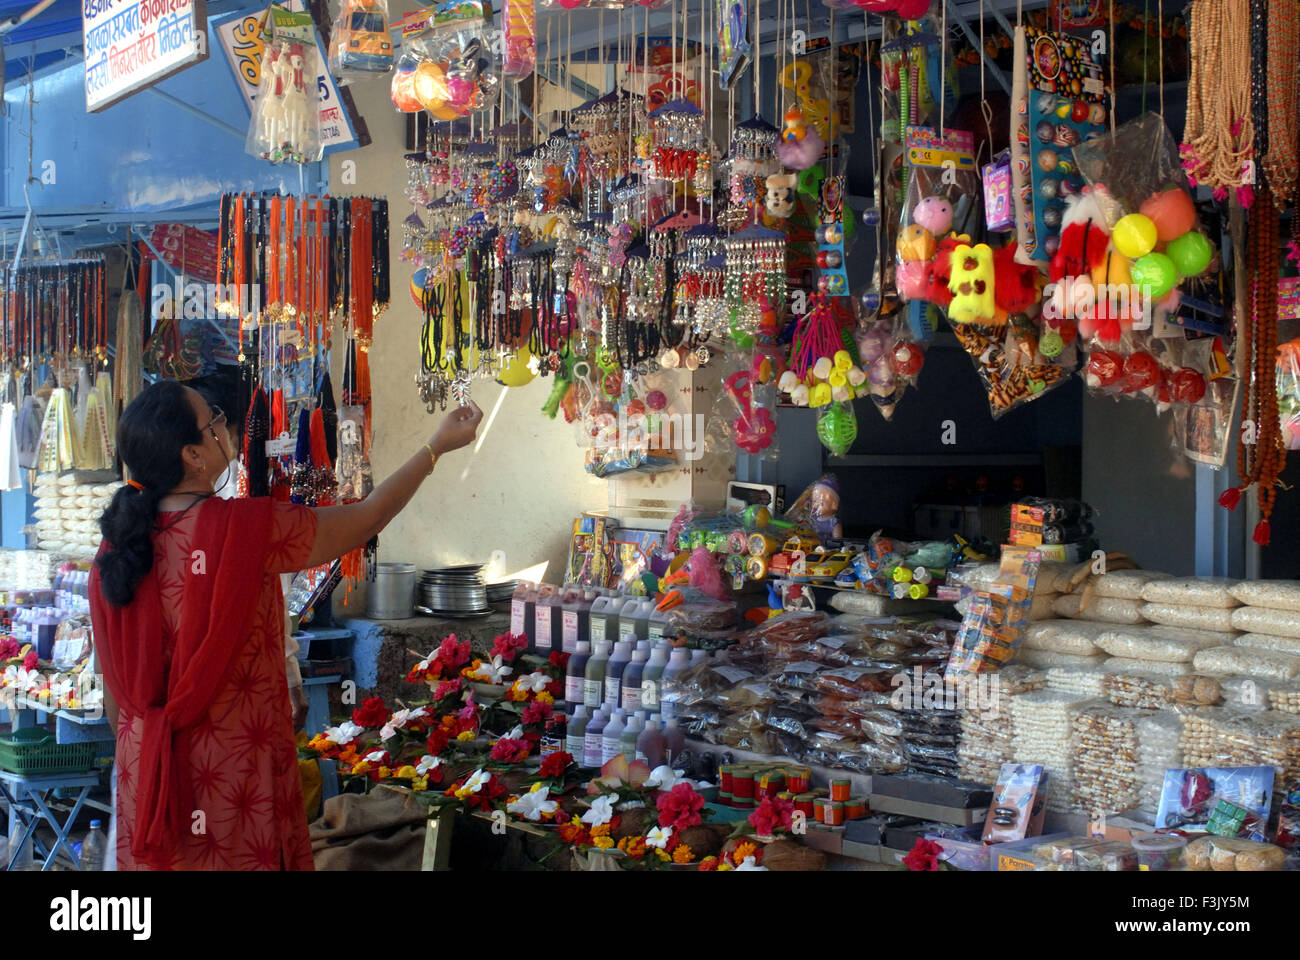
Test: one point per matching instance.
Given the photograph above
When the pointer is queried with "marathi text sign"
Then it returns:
(132, 44)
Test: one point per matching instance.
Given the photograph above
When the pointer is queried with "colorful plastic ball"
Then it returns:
(837, 428)
(1050, 344)
(1096, 114)
(1052, 217)
(908, 359)
(871, 217)
(1051, 243)
(1063, 108)
(1047, 160)
(1172, 211)
(1046, 103)
(1045, 131)
(1155, 274)
(656, 400)
(1049, 188)
(1070, 186)
(1191, 253)
(1069, 332)
(934, 214)
(829, 259)
(1187, 386)
(870, 300)
(1134, 235)
(1141, 371)
(915, 243)
(1114, 271)
(833, 284)
(1104, 369)
(1079, 112)
(1064, 165)
(830, 233)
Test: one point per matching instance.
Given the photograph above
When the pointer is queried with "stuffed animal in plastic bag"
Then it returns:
(971, 284)
(779, 199)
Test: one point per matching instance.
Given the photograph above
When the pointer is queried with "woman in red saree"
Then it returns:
(188, 624)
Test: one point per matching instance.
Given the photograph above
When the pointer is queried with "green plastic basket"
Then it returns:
(34, 751)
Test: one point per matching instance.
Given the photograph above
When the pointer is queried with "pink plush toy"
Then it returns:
(935, 214)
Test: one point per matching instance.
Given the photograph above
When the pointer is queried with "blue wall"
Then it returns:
(141, 154)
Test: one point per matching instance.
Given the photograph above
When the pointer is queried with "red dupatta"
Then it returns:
(228, 559)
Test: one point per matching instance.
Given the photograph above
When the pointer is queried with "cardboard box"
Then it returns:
(938, 791)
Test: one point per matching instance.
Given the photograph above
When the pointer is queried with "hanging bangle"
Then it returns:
(433, 458)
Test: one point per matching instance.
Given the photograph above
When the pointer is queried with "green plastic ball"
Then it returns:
(837, 428)
(1155, 274)
(1191, 253)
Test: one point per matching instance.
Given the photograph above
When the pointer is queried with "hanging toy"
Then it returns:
(754, 429)
(1083, 236)
(971, 284)
(779, 199)
(934, 213)
(837, 428)
(801, 146)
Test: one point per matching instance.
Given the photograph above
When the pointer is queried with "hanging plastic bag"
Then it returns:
(360, 44)
(285, 124)
(837, 427)
(1288, 392)
(456, 74)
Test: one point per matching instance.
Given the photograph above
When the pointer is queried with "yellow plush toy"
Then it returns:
(915, 243)
(971, 284)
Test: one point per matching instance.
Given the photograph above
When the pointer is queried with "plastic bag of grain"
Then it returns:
(1100, 609)
(976, 576)
(1272, 621)
(1087, 682)
(1146, 668)
(1125, 584)
(1198, 591)
(1247, 662)
(1042, 606)
(1075, 637)
(1262, 641)
(1190, 616)
(862, 604)
(1046, 660)
(1172, 644)
(1278, 594)
(1054, 577)
(1245, 693)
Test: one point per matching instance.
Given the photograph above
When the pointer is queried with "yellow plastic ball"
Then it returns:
(1134, 235)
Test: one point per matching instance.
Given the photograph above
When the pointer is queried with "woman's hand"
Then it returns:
(457, 429)
(298, 699)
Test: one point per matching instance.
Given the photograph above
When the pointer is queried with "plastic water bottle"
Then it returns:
(93, 847)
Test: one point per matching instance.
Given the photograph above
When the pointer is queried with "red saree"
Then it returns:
(207, 765)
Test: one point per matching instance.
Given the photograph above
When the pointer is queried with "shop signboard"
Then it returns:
(132, 44)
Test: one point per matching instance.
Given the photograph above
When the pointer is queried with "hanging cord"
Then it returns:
(985, 109)
(1114, 94)
(943, 67)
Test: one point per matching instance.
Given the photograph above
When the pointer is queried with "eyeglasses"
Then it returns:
(218, 420)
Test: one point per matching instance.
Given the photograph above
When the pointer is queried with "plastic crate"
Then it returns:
(33, 751)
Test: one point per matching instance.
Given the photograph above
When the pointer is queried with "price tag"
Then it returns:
(282, 446)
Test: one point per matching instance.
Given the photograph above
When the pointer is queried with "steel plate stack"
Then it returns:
(453, 592)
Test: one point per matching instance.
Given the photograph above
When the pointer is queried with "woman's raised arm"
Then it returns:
(340, 530)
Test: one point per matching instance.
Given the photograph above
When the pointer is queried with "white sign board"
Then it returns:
(132, 44)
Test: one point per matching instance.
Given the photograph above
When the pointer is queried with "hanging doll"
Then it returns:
(295, 117)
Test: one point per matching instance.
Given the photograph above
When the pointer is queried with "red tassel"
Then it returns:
(1230, 498)
(1262, 531)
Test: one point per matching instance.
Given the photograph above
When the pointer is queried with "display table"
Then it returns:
(26, 797)
(384, 650)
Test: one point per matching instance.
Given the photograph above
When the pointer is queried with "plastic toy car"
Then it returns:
(829, 565)
(781, 562)
(361, 40)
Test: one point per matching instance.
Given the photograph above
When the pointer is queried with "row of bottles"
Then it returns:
(561, 618)
(597, 739)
